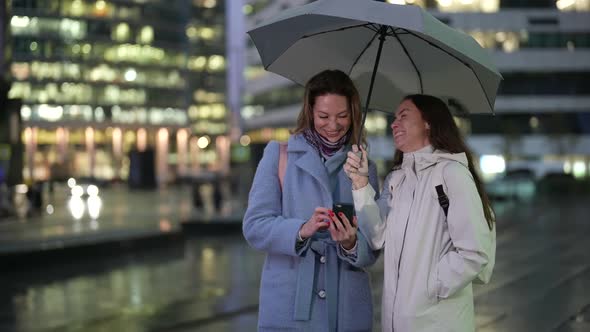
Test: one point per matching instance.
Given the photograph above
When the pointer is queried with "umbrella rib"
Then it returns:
(463, 62)
(363, 52)
(335, 30)
(411, 60)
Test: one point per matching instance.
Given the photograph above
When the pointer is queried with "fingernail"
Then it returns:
(331, 213)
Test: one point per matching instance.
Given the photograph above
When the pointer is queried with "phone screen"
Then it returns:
(346, 208)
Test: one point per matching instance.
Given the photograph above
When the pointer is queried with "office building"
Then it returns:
(100, 80)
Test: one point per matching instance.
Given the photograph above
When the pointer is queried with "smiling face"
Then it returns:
(410, 131)
(331, 116)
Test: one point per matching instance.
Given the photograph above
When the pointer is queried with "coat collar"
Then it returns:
(428, 156)
(308, 159)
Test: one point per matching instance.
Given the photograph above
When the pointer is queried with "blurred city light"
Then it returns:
(77, 191)
(21, 188)
(76, 207)
(94, 224)
(92, 190)
(492, 164)
(245, 140)
(579, 169)
(203, 142)
(94, 206)
(130, 75)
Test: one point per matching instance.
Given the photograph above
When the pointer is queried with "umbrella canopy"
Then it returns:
(388, 50)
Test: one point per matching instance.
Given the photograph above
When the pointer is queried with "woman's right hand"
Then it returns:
(320, 219)
(357, 167)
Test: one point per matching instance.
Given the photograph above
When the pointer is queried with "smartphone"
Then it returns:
(346, 208)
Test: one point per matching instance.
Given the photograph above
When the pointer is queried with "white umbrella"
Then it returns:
(388, 50)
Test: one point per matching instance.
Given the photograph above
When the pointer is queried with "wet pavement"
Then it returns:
(210, 283)
(115, 214)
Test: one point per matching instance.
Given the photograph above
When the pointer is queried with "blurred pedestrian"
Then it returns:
(434, 219)
(312, 278)
(196, 194)
(217, 195)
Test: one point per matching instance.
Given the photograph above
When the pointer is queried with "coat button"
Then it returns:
(323, 259)
(322, 294)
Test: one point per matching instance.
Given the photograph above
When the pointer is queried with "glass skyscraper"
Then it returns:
(99, 79)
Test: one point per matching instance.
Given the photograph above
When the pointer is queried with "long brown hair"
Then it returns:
(444, 135)
(331, 82)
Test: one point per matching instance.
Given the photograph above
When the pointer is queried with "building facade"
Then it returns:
(102, 80)
(542, 120)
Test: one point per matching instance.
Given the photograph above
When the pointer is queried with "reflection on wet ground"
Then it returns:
(114, 213)
(541, 282)
(182, 285)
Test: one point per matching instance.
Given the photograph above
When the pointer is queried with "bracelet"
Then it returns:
(299, 238)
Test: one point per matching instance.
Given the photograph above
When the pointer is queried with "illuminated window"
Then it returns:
(143, 54)
(577, 5)
(250, 111)
(130, 75)
(74, 8)
(18, 23)
(202, 96)
(72, 29)
(205, 3)
(128, 12)
(508, 41)
(121, 32)
(207, 33)
(197, 63)
(216, 62)
(253, 72)
(20, 71)
(487, 6)
(101, 9)
(192, 33)
(19, 90)
(86, 48)
(421, 3)
(146, 36)
(102, 73)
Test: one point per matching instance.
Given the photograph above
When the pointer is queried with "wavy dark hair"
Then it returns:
(331, 82)
(445, 135)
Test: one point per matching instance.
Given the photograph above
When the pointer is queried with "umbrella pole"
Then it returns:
(382, 34)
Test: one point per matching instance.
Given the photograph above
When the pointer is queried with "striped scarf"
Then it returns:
(324, 146)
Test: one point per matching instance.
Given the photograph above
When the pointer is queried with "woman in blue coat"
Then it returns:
(313, 277)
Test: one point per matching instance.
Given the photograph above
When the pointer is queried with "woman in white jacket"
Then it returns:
(437, 241)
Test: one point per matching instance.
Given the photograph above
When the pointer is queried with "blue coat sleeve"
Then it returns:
(264, 226)
(365, 255)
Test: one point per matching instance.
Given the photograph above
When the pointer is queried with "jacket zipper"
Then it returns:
(401, 252)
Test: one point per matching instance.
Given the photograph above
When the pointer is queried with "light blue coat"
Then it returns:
(315, 287)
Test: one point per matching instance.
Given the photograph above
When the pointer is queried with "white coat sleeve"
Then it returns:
(474, 246)
(371, 213)
(362, 254)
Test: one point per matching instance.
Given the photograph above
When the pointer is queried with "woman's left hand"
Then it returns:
(342, 230)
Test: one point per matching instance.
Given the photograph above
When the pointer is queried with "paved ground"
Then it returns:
(210, 283)
(118, 214)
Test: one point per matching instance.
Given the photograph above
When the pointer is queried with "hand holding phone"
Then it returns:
(346, 208)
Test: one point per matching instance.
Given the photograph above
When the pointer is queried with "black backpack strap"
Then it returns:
(443, 200)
